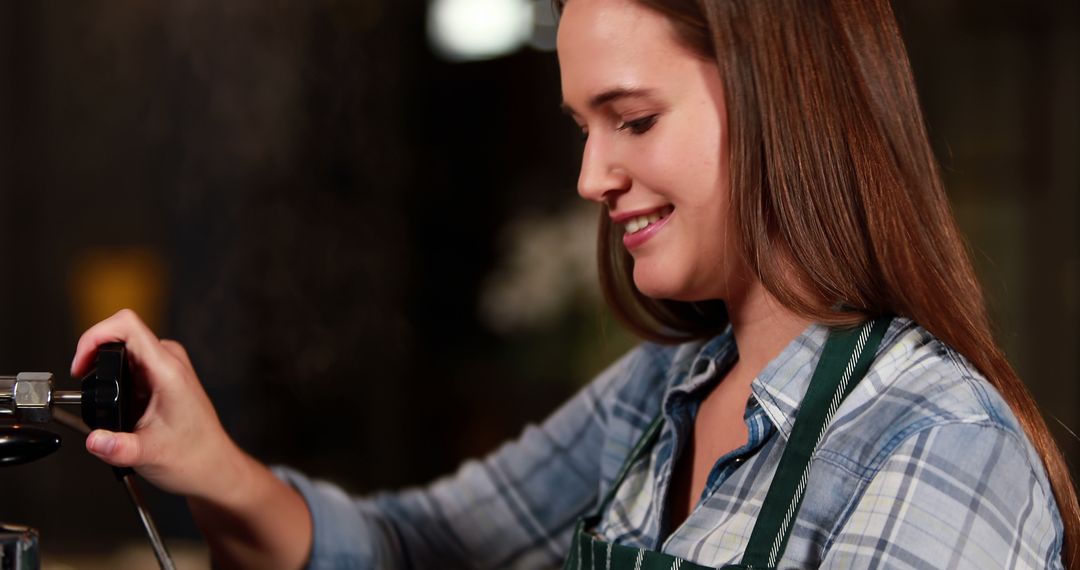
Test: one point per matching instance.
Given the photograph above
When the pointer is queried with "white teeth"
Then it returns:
(639, 223)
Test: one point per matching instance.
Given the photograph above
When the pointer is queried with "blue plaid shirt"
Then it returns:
(924, 466)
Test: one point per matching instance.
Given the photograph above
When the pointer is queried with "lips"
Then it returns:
(641, 226)
(640, 222)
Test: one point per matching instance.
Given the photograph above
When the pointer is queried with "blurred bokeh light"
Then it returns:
(479, 29)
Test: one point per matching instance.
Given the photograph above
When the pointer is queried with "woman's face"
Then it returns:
(656, 152)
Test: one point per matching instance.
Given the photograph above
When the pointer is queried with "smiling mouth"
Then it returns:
(639, 223)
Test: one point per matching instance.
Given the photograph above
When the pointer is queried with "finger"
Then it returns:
(117, 449)
(177, 350)
(126, 327)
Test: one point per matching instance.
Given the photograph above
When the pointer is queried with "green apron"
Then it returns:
(845, 360)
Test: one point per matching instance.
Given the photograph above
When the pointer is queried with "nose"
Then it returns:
(602, 178)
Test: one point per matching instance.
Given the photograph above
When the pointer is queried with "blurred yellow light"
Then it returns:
(105, 280)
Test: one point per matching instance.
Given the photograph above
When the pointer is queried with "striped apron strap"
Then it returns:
(847, 356)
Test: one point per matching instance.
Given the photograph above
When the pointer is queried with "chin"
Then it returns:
(673, 283)
(657, 285)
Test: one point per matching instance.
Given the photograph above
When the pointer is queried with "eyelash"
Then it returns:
(639, 126)
(636, 126)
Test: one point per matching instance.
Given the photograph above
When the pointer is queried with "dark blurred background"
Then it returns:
(370, 243)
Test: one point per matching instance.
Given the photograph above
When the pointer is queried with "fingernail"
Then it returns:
(102, 443)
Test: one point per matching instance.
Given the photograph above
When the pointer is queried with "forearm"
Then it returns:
(256, 521)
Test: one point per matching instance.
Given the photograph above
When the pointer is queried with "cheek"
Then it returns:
(711, 157)
(694, 159)
(704, 194)
(701, 173)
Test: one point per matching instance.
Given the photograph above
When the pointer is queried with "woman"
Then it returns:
(766, 154)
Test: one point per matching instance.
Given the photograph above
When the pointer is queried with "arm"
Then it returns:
(250, 518)
(515, 508)
(953, 496)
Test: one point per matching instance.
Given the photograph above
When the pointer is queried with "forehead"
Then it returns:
(604, 21)
(602, 43)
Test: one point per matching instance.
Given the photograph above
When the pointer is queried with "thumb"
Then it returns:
(117, 449)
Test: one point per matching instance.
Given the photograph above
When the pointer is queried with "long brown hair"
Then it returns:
(833, 177)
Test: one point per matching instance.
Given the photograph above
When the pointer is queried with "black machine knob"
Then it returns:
(107, 391)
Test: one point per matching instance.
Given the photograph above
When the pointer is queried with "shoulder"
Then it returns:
(941, 459)
(918, 383)
(957, 495)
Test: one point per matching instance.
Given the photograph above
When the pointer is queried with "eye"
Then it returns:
(639, 126)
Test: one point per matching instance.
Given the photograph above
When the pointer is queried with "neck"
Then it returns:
(762, 327)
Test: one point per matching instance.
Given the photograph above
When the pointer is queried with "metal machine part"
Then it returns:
(18, 548)
(127, 477)
(107, 402)
(29, 397)
(156, 543)
(22, 444)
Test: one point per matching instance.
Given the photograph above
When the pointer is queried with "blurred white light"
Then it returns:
(479, 29)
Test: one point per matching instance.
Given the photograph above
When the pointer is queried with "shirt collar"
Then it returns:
(695, 368)
(696, 364)
(779, 387)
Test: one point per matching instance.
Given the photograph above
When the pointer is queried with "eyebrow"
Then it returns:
(609, 96)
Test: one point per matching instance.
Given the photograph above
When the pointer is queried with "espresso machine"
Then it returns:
(106, 399)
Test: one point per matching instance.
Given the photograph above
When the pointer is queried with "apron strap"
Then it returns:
(640, 449)
(581, 547)
(846, 358)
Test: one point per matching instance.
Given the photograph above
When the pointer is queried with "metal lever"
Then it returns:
(127, 476)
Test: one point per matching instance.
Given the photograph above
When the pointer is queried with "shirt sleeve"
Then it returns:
(515, 508)
(962, 495)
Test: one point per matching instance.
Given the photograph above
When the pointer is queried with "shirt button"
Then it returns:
(737, 460)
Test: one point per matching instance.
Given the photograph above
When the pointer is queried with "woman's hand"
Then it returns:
(250, 519)
(179, 444)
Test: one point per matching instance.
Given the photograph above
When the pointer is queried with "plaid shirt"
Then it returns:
(924, 466)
